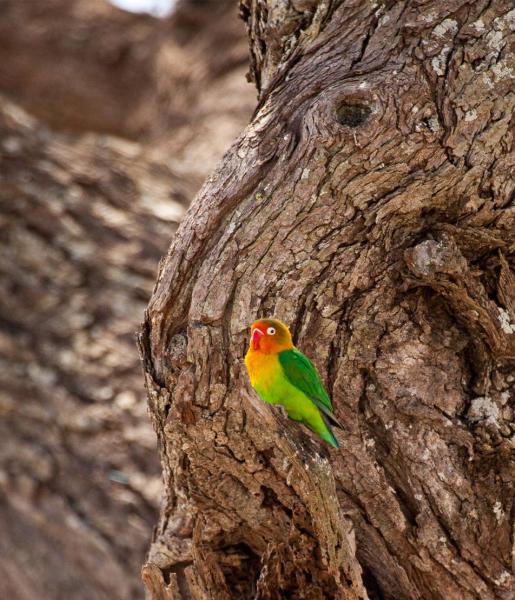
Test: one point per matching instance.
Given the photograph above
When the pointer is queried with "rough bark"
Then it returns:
(84, 219)
(369, 204)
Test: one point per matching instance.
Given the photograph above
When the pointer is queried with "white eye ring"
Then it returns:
(271, 331)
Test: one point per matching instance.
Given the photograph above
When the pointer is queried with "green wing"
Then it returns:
(301, 373)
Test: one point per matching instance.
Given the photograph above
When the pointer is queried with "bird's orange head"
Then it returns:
(270, 336)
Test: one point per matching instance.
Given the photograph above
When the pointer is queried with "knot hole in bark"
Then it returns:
(352, 114)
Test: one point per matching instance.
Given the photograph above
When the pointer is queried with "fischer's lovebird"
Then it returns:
(281, 374)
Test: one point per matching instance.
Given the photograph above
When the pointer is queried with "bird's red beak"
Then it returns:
(257, 334)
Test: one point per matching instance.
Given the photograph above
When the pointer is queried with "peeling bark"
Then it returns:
(369, 204)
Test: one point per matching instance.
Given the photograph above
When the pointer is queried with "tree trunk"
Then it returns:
(84, 219)
(367, 204)
(78, 481)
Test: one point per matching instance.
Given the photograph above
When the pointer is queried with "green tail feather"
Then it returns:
(328, 435)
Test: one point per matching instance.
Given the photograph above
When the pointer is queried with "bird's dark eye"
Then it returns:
(271, 330)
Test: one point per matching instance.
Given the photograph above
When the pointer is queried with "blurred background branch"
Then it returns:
(109, 122)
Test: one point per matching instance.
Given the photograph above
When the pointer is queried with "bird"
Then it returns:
(281, 374)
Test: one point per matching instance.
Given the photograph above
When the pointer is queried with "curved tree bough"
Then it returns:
(368, 205)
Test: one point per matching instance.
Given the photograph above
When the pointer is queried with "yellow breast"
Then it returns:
(262, 368)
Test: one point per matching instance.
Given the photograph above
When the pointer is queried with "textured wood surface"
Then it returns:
(369, 204)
